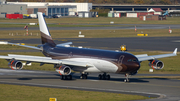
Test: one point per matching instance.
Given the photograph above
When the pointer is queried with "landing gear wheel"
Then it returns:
(83, 76)
(108, 77)
(126, 81)
(69, 77)
(104, 77)
(100, 77)
(62, 77)
(66, 77)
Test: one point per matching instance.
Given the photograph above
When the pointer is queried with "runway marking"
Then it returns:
(85, 88)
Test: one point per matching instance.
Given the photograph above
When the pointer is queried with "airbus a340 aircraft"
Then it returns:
(83, 60)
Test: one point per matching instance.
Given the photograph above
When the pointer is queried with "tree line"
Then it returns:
(151, 2)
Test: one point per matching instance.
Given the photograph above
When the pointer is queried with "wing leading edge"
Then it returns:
(152, 57)
(46, 60)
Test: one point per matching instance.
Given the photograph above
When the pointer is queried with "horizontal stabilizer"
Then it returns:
(65, 44)
(5, 42)
(175, 51)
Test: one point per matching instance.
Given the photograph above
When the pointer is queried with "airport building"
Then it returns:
(48, 8)
(11, 8)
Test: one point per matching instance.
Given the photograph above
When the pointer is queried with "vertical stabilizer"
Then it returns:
(45, 35)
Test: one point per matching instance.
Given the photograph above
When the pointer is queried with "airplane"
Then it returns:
(84, 60)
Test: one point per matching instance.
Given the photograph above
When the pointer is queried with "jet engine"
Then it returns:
(63, 70)
(15, 65)
(156, 64)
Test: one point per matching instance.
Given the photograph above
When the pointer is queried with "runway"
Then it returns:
(119, 26)
(132, 43)
(164, 89)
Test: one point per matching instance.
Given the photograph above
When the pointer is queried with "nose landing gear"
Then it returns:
(127, 78)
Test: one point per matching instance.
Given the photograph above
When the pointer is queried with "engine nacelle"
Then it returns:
(63, 70)
(156, 64)
(15, 65)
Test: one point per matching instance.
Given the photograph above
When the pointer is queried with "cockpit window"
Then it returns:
(132, 60)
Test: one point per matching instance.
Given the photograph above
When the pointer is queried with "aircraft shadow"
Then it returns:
(77, 77)
(114, 79)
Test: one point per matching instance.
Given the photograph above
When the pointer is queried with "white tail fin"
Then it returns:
(42, 24)
(45, 35)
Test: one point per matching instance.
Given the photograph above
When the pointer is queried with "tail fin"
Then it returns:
(45, 35)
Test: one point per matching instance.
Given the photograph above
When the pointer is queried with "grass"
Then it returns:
(19, 34)
(58, 25)
(29, 93)
(171, 64)
(100, 20)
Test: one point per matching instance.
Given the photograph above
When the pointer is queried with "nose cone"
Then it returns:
(137, 65)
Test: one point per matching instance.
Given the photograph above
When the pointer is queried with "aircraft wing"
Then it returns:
(152, 57)
(45, 60)
(5, 42)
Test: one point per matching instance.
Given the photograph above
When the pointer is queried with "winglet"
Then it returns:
(175, 51)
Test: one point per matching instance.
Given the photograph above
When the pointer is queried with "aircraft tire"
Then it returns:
(63, 77)
(69, 77)
(126, 80)
(84, 76)
(108, 77)
(100, 77)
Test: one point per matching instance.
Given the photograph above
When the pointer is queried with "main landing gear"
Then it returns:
(104, 77)
(66, 77)
(127, 78)
(84, 76)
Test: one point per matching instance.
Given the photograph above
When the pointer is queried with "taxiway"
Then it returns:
(115, 27)
(132, 43)
(163, 89)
